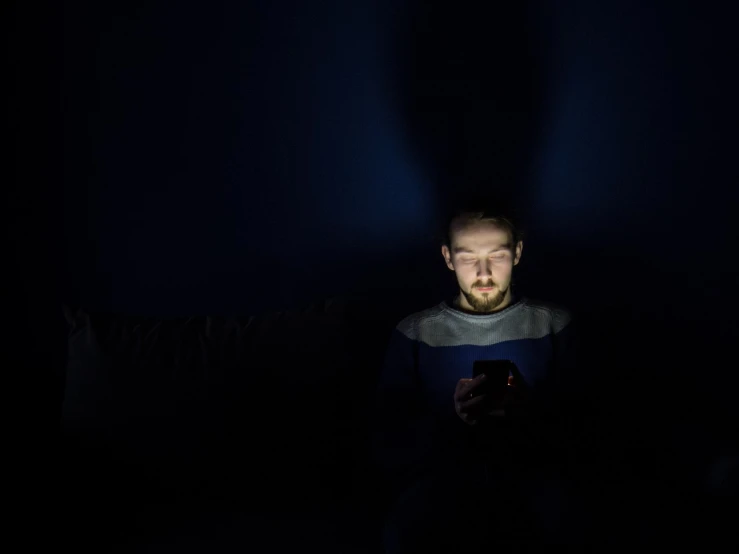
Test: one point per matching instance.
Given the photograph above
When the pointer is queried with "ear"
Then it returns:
(447, 256)
(519, 249)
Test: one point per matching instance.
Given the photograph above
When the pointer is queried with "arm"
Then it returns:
(400, 430)
(560, 413)
(547, 418)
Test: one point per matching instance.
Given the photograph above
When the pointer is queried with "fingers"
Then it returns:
(516, 380)
(517, 384)
(468, 406)
(470, 418)
(465, 386)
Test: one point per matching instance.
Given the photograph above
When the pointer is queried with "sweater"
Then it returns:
(415, 422)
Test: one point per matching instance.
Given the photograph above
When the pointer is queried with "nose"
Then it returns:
(483, 269)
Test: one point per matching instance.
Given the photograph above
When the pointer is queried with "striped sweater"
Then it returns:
(429, 351)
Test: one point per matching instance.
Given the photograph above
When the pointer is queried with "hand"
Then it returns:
(470, 410)
(515, 399)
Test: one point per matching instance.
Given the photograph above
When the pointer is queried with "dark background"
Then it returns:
(237, 157)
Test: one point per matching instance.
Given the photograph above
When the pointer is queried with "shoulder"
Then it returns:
(409, 325)
(557, 315)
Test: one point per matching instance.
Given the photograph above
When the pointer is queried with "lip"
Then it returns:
(485, 289)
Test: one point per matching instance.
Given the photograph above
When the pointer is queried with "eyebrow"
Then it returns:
(459, 249)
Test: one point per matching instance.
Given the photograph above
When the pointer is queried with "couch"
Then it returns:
(223, 433)
(249, 433)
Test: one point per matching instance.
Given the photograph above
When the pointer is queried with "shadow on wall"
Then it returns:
(472, 89)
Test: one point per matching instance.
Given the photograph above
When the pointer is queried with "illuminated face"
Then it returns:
(482, 259)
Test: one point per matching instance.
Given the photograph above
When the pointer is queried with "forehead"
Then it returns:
(479, 235)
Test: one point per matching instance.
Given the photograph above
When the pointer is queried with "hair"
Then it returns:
(471, 211)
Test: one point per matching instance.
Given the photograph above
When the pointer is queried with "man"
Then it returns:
(461, 470)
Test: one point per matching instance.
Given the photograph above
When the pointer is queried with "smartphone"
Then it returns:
(497, 372)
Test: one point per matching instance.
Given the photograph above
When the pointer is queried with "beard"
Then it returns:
(485, 301)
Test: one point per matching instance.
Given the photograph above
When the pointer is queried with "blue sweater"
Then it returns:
(429, 351)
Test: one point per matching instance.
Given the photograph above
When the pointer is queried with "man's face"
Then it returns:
(481, 257)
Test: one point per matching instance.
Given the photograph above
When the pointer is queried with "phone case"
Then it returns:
(497, 372)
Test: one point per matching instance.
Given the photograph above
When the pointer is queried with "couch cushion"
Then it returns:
(237, 397)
